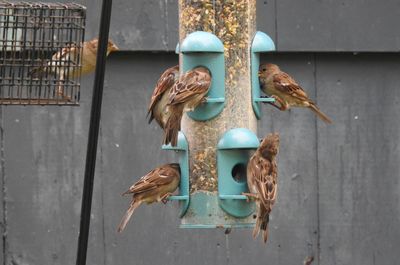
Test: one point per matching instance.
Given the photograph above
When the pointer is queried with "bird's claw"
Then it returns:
(164, 198)
(250, 196)
(281, 105)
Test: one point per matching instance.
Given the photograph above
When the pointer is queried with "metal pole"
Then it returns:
(93, 133)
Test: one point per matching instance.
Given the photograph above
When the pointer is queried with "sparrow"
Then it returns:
(158, 109)
(262, 180)
(185, 95)
(284, 89)
(64, 64)
(155, 186)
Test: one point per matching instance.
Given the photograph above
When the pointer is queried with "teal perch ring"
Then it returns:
(183, 153)
(261, 43)
(201, 48)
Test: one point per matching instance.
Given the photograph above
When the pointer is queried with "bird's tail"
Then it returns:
(173, 126)
(150, 116)
(264, 228)
(320, 114)
(256, 229)
(262, 224)
(128, 214)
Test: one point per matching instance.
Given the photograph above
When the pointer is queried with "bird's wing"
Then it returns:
(90, 49)
(284, 83)
(265, 181)
(154, 179)
(65, 54)
(192, 83)
(91, 45)
(268, 190)
(64, 58)
(166, 80)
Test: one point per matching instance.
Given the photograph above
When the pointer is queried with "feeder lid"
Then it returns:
(262, 43)
(181, 145)
(201, 41)
(239, 138)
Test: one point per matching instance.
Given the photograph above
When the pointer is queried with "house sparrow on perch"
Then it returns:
(158, 109)
(186, 94)
(155, 186)
(262, 180)
(285, 90)
(65, 62)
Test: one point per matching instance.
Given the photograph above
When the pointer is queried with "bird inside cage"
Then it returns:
(64, 65)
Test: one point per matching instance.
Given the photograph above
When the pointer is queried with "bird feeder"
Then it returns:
(31, 34)
(261, 43)
(232, 157)
(205, 49)
(183, 152)
(216, 33)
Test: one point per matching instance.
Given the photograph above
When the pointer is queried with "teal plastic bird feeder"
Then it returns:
(183, 153)
(205, 49)
(232, 156)
(261, 43)
(221, 132)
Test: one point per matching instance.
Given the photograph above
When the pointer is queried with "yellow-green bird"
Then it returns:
(64, 64)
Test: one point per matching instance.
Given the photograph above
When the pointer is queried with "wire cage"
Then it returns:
(41, 49)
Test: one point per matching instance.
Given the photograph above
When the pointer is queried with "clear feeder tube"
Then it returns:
(234, 23)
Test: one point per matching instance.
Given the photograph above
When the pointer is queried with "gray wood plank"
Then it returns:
(295, 216)
(338, 26)
(3, 222)
(266, 18)
(45, 151)
(303, 25)
(135, 25)
(145, 25)
(359, 159)
(172, 24)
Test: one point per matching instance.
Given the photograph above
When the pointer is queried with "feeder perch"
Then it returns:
(183, 152)
(205, 49)
(261, 43)
(30, 35)
(232, 158)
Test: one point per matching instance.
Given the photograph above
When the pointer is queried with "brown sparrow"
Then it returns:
(262, 180)
(158, 109)
(155, 186)
(285, 90)
(186, 94)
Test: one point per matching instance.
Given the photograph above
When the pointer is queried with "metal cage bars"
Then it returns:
(32, 38)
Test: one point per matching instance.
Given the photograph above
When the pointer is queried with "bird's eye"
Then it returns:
(264, 70)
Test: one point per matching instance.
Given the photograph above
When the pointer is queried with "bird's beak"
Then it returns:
(114, 48)
(259, 74)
